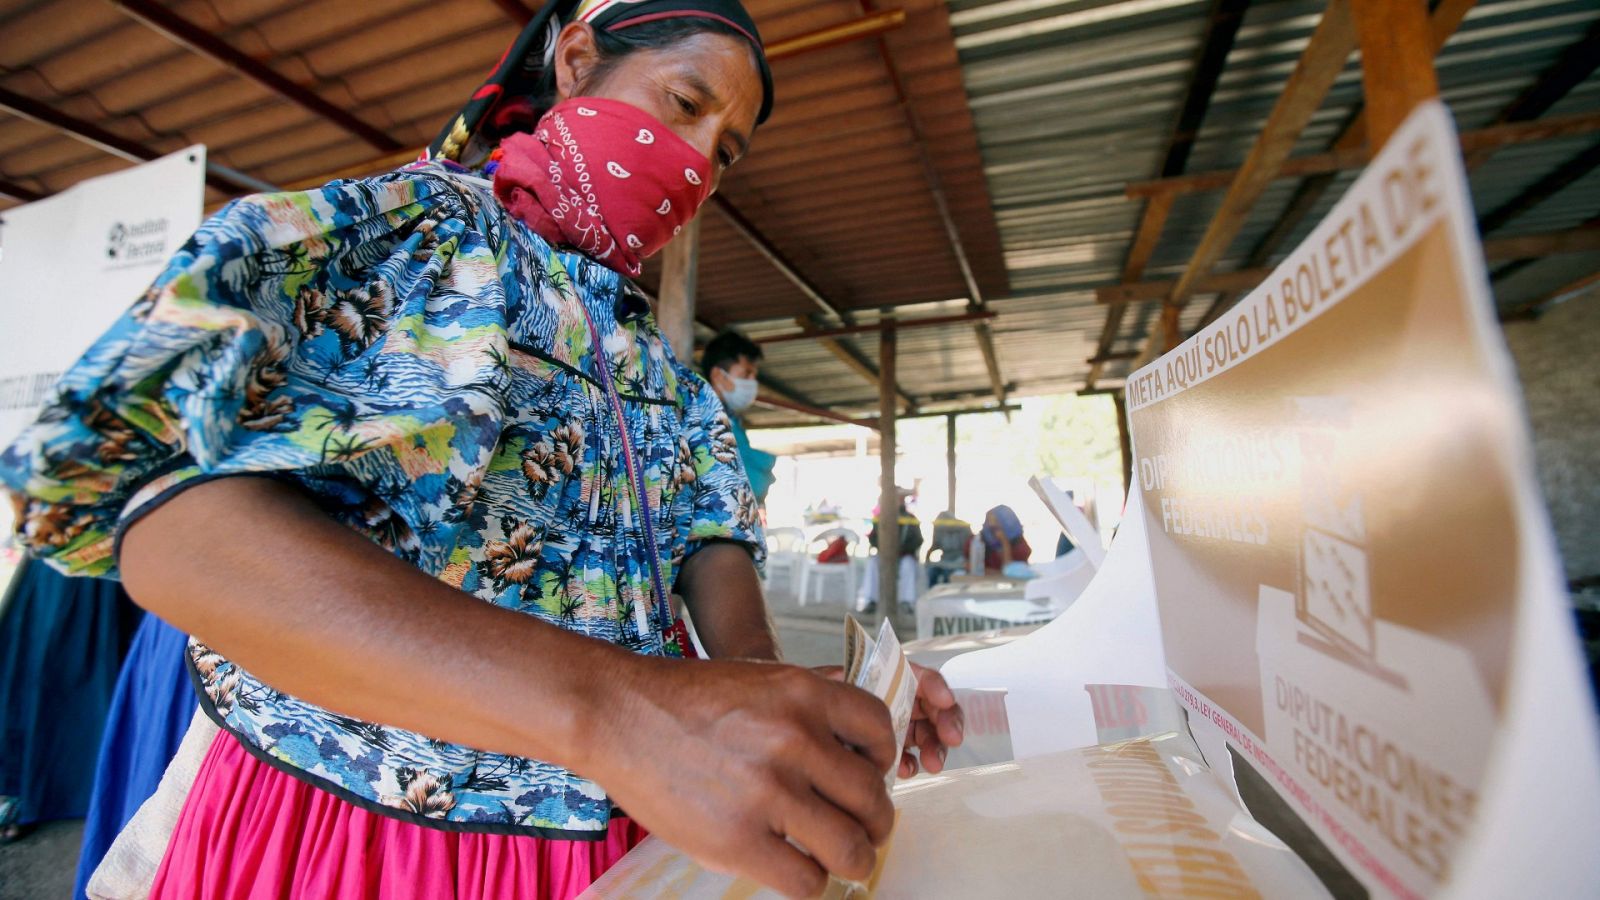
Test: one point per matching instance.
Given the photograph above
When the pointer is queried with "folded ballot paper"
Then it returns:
(655, 869)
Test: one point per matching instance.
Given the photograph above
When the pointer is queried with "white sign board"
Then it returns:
(71, 263)
(1356, 578)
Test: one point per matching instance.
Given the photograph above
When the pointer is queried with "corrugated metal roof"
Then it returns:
(1075, 98)
(1037, 114)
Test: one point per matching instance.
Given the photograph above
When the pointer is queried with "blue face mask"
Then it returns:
(743, 393)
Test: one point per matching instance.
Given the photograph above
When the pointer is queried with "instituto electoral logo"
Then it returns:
(132, 243)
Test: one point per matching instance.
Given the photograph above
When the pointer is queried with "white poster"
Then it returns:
(1357, 582)
(71, 263)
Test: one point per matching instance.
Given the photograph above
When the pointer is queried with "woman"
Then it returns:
(1003, 543)
(339, 413)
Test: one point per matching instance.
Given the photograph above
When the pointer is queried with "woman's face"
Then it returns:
(706, 88)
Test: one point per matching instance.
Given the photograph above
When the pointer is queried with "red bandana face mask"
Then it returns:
(603, 177)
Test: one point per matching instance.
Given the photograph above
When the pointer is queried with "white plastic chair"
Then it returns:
(786, 554)
(913, 583)
(818, 576)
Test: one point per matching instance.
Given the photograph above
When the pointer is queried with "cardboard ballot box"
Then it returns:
(1333, 607)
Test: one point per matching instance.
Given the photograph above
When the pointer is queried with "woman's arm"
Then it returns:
(720, 586)
(723, 759)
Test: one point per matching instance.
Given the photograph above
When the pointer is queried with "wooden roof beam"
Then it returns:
(1321, 62)
(1445, 20)
(1151, 222)
(871, 25)
(1397, 74)
(203, 42)
(516, 11)
(852, 360)
(1531, 309)
(1222, 28)
(930, 172)
(778, 394)
(820, 39)
(818, 412)
(1576, 63)
(115, 144)
(869, 327)
(1583, 239)
(1493, 137)
(1564, 175)
(10, 190)
(768, 251)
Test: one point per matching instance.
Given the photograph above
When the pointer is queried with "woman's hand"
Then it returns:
(937, 723)
(728, 761)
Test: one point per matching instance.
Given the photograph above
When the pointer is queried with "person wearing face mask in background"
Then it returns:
(731, 362)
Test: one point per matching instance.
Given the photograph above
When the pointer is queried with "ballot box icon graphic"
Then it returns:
(1335, 599)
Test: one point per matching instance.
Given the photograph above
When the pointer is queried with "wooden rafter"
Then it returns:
(13, 191)
(516, 11)
(871, 327)
(852, 359)
(1445, 20)
(1493, 137)
(958, 250)
(816, 412)
(1577, 63)
(1397, 74)
(1222, 27)
(1558, 180)
(770, 252)
(871, 25)
(1321, 62)
(203, 42)
(106, 141)
(1530, 309)
(1583, 239)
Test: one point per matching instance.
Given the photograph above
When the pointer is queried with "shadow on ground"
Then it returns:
(40, 866)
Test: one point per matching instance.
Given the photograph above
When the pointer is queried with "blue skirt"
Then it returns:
(61, 641)
(149, 715)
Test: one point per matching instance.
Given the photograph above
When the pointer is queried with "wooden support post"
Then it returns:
(1124, 440)
(1396, 62)
(680, 265)
(950, 462)
(888, 495)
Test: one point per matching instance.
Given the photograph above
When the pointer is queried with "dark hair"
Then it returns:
(727, 349)
(614, 46)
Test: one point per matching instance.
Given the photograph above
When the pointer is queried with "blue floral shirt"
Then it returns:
(427, 370)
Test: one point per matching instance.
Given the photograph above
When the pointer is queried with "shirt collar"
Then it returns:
(631, 303)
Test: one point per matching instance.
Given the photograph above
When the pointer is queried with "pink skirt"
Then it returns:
(250, 831)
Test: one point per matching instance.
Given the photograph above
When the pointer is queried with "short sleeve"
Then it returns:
(724, 507)
(350, 339)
